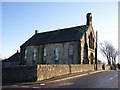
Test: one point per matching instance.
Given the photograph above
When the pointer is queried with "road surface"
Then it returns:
(105, 79)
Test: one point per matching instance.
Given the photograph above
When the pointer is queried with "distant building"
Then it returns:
(74, 45)
(13, 60)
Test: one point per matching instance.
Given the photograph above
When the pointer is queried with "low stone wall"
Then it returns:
(19, 74)
(42, 72)
(99, 67)
(50, 71)
(53, 70)
(80, 68)
(107, 67)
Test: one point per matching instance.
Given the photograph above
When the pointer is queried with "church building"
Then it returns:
(73, 45)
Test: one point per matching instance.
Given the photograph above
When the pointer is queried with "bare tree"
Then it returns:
(114, 55)
(109, 52)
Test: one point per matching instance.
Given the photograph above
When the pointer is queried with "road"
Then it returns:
(105, 79)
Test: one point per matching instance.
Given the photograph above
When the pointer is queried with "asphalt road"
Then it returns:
(105, 79)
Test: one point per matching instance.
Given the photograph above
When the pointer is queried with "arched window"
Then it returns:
(56, 54)
(70, 54)
(93, 44)
(34, 54)
(70, 49)
(44, 54)
(26, 52)
(91, 41)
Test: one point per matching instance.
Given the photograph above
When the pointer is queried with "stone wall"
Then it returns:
(42, 72)
(99, 66)
(19, 74)
(53, 70)
(50, 71)
(107, 67)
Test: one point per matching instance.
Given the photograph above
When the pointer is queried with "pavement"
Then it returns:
(59, 78)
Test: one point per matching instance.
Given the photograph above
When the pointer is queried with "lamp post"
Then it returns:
(96, 52)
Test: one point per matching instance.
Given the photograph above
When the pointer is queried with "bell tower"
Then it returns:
(89, 19)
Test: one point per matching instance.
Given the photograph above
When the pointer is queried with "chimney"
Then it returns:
(17, 51)
(89, 19)
(36, 31)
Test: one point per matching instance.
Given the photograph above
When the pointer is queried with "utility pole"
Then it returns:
(96, 52)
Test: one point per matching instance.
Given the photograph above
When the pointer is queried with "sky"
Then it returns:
(21, 19)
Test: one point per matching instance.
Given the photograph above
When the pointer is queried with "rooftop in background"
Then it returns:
(14, 58)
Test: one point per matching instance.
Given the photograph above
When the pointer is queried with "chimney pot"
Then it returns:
(36, 31)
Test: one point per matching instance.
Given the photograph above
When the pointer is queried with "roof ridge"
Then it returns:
(65, 34)
(61, 29)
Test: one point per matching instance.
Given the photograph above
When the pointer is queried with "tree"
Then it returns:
(109, 52)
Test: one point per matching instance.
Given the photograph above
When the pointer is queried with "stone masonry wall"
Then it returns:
(53, 70)
(42, 72)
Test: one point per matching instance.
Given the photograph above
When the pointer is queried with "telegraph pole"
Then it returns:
(96, 52)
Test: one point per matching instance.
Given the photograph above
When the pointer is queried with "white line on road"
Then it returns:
(35, 87)
(14, 85)
(42, 84)
(25, 86)
(66, 84)
(113, 77)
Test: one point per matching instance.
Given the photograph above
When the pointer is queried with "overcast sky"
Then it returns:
(20, 20)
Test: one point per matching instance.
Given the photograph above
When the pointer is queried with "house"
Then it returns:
(74, 45)
(13, 60)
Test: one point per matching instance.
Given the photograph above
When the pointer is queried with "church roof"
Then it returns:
(56, 36)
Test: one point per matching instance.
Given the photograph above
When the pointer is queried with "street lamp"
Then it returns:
(96, 52)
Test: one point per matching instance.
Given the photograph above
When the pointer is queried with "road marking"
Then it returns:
(14, 85)
(42, 84)
(113, 77)
(35, 87)
(66, 84)
(25, 86)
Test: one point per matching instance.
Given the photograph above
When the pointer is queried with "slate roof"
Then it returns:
(13, 58)
(61, 35)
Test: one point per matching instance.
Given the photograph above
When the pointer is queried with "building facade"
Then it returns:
(74, 45)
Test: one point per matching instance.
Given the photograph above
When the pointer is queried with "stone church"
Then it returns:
(74, 45)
